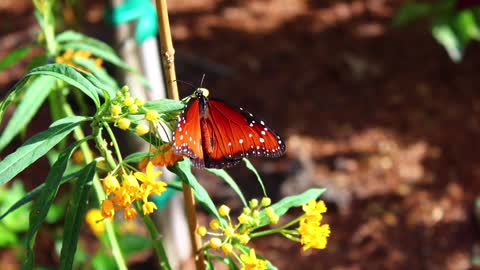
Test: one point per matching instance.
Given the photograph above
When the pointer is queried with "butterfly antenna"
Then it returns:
(201, 82)
(187, 83)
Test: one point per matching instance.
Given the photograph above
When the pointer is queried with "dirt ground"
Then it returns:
(378, 115)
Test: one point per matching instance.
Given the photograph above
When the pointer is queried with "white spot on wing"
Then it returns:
(240, 141)
(262, 140)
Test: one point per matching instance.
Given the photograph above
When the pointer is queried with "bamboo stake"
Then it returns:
(168, 57)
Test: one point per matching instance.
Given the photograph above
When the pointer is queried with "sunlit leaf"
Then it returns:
(259, 179)
(286, 203)
(71, 76)
(36, 147)
(13, 57)
(35, 94)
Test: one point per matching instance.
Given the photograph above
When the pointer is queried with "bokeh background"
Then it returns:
(378, 114)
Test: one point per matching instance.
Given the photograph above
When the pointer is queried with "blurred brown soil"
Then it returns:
(378, 115)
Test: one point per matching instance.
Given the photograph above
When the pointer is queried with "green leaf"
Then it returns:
(42, 204)
(76, 41)
(72, 36)
(136, 157)
(100, 73)
(13, 57)
(184, 170)
(75, 215)
(164, 105)
(71, 76)
(225, 176)
(36, 147)
(34, 193)
(35, 94)
(286, 203)
(466, 26)
(259, 179)
(12, 95)
(411, 12)
(444, 32)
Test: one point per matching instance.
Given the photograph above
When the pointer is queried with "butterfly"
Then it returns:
(214, 134)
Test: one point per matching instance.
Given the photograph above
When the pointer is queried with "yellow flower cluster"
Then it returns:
(313, 234)
(163, 156)
(137, 186)
(69, 55)
(123, 105)
(251, 262)
(232, 235)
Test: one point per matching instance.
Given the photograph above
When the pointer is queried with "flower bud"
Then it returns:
(253, 203)
(266, 201)
(224, 210)
(142, 129)
(124, 123)
(202, 231)
(215, 242)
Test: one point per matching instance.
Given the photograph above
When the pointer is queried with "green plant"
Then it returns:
(107, 179)
(453, 24)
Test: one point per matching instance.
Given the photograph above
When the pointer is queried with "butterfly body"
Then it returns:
(216, 135)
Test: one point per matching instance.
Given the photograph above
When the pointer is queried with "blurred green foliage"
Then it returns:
(454, 24)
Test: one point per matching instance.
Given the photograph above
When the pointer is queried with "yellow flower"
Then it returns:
(130, 183)
(130, 213)
(244, 219)
(116, 110)
(149, 176)
(266, 201)
(313, 235)
(133, 108)
(94, 220)
(148, 208)
(129, 101)
(107, 209)
(252, 263)
(142, 129)
(243, 238)
(122, 197)
(313, 208)
(202, 231)
(124, 123)
(152, 116)
(224, 210)
(110, 183)
(139, 102)
(253, 203)
(214, 224)
(227, 248)
(229, 231)
(150, 186)
(215, 242)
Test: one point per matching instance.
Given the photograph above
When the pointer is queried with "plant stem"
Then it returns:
(157, 242)
(168, 57)
(87, 153)
(275, 230)
(154, 235)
